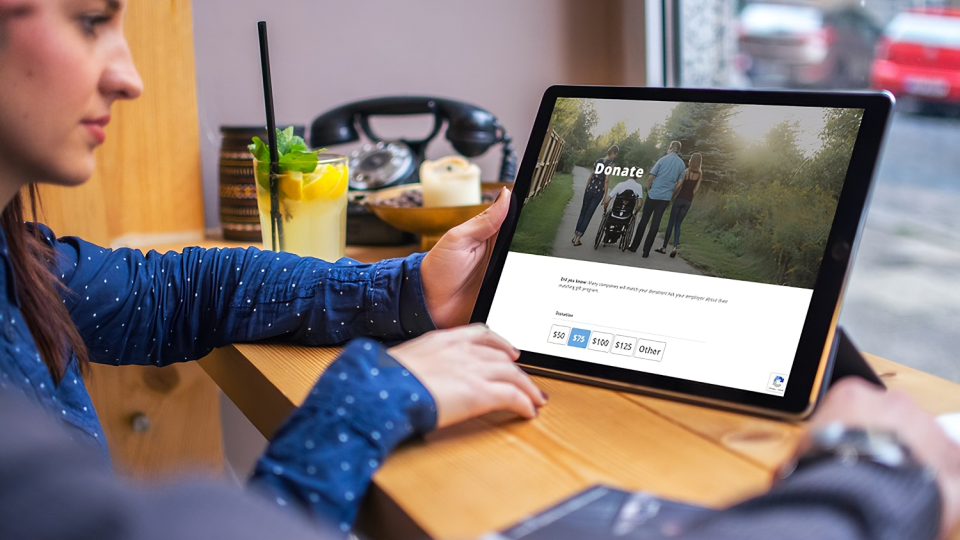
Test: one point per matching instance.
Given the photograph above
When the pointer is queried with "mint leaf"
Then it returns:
(262, 174)
(284, 139)
(297, 144)
(305, 162)
(260, 150)
(294, 154)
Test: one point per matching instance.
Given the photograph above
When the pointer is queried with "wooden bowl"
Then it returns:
(429, 222)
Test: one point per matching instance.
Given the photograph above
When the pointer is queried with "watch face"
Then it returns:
(855, 444)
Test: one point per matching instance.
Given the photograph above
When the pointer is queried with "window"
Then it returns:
(903, 298)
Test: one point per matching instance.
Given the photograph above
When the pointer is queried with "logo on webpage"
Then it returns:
(777, 383)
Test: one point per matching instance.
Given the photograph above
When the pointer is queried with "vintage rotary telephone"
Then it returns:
(384, 163)
(471, 130)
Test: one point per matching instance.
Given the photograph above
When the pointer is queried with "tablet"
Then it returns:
(691, 244)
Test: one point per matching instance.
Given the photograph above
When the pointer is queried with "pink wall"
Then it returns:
(498, 54)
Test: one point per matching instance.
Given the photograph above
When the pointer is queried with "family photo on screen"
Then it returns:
(744, 192)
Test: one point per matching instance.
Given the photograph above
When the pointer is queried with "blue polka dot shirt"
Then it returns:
(157, 309)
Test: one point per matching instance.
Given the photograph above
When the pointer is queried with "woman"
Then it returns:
(684, 193)
(597, 187)
(66, 302)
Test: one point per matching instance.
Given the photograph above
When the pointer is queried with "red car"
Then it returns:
(918, 56)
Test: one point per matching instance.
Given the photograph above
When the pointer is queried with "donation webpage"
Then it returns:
(679, 239)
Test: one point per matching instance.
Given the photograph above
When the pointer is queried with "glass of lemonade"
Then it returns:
(313, 208)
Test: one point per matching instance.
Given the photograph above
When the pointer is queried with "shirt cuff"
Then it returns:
(374, 395)
(403, 315)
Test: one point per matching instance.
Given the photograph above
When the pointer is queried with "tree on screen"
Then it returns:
(574, 119)
(705, 128)
(839, 134)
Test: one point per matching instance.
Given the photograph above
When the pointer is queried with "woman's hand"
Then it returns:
(453, 270)
(855, 403)
(470, 371)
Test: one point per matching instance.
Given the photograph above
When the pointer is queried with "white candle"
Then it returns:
(450, 181)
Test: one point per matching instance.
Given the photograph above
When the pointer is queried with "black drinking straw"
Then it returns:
(276, 220)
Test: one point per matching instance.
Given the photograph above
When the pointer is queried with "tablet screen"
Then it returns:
(680, 239)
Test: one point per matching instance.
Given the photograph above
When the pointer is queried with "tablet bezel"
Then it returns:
(813, 360)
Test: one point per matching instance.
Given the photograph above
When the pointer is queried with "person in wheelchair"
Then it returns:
(618, 221)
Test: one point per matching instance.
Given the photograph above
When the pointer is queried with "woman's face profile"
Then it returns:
(63, 63)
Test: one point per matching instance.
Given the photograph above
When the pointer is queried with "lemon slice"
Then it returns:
(291, 185)
(328, 182)
(341, 186)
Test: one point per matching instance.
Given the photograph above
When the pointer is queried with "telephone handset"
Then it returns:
(470, 130)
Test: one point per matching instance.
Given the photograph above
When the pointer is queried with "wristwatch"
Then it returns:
(852, 445)
(885, 486)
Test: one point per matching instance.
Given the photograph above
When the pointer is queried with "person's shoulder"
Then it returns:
(45, 232)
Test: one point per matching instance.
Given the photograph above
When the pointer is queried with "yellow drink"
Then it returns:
(313, 208)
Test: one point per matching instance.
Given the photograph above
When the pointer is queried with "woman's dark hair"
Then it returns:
(47, 318)
(614, 149)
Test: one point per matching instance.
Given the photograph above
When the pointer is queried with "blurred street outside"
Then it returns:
(902, 300)
(903, 296)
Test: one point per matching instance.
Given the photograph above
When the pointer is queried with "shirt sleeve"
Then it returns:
(834, 501)
(136, 308)
(656, 168)
(40, 466)
(321, 460)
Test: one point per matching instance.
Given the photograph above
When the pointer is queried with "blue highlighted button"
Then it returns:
(579, 338)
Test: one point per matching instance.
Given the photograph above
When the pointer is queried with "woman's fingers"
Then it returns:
(453, 270)
(507, 397)
(470, 371)
(509, 373)
(483, 226)
(501, 356)
(482, 335)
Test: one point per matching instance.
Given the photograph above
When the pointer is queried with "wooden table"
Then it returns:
(490, 472)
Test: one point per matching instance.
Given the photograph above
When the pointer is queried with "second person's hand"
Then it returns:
(855, 403)
(470, 371)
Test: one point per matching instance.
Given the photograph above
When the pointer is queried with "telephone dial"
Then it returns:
(383, 163)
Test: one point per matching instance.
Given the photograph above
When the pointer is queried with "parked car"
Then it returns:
(806, 45)
(918, 56)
